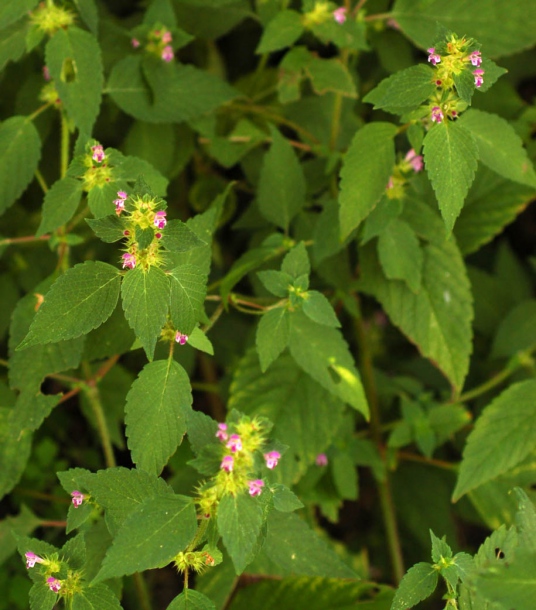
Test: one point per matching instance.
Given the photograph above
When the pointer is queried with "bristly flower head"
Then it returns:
(437, 114)
(32, 559)
(475, 59)
(321, 459)
(98, 153)
(255, 487)
(479, 77)
(180, 338)
(433, 57)
(129, 260)
(235, 443)
(272, 458)
(221, 434)
(227, 463)
(53, 584)
(160, 219)
(77, 497)
(339, 14)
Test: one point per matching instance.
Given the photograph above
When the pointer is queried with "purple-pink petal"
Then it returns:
(227, 463)
(255, 487)
(53, 584)
(272, 458)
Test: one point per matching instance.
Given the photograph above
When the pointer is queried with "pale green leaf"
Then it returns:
(450, 157)
(400, 254)
(178, 237)
(239, 523)
(296, 262)
(79, 300)
(418, 18)
(438, 318)
(503, 436)
(20, 151)
(190, 599)
(365, 173)
(405, 89)
(73, 57)
(499, 146)
(526, 521)
(156, 413)
(276, 282)
(281, 32)
(322, 352)
(60, 204)
(440, 549)
(517, 331)
(145, 296)
(108, 228)
(418, 583)
(150, 536)
(200, 341)
(41, 597)
(331, 75)
(12, 10)
(282, 186)
(285, 500)
(98, 597)
(272, 335)
(188, 290)
(317, 307)
(30, 410)
(89, 13)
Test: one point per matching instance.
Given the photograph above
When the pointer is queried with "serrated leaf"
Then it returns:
(60, 204)
(41, 597)
(499, 146)
(517, 331)
(188, 290)
(272, 335)
(365, 173)
(170, 93)
(400, 254)
(465, 85)
(200, 341)
(285, 500)
(108, 228)
(120, 491)
(418, 583)
(73, 57)
(281, 193)
(145, 296)
(13, 42)
(440, 549)
(20, 151)
(276, 282)
(190, 599)
(323, 353)
(319, 309)
(282, 31)
(97, 597)
(14, 453)
(150, 536)
(12, 10)
(331, 75)
(88, 12)
(239, 523)
(526, 521)
(405, 89)
(450, 157)
(156, 413)
(79, 300)
(438, 318)
(296, 262)
(178, 237)
(503, 436)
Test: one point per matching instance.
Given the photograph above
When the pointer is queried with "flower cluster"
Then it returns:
(50, 18)
(159, 44)
(77, 498)
(50, 566)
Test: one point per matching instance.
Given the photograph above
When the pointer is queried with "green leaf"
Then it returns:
(156, 93)
(88, 12)
(285, 500)
(282, 186)
(380, 218)
(74, 59)
(526, 521)
(144, 237)
(418, 583)
(465, 85)
(20, 151)
(145, 296)
(200, 341)
(272, 335)
(517, 331)
(450, 157)
(319, 309)
(14, 452)
(417, 19)
(440, 549)
(400, 254)
(438, 318)
(296, 262)
(403, 90)
(156, 413)
(322, 353)
(13, 42)
(503, 436)
(120, 491)
(60, 204)
(365, 173)
(41, 597)
(190, 599)
(298, 550)
(150, 536)
(239, 523)
(331, 75)
(79, 300)
(108, 228)
(499, 146)
(276, 282)
(188, 290)
(98, 597)
(281, 32)
(12, 10)
(178, 237)
(306, 417)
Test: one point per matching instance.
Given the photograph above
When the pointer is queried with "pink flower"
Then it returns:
(135, 43)
(235, 443)
(478, 74)
(437, 115)
(415, 160)
(46, 73)
(475, 58)
(227, 463)
(120, 202)
(167, 53)
(255, 487)
(180, 338)
(221, 434)
(32, 559)
(98, 153)
(272, 457)
(53, 584)
(129, 260)
(78, 498)
(339, 14)
(433, 57)
(167, 37)
(160, 219)
(321, 459)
